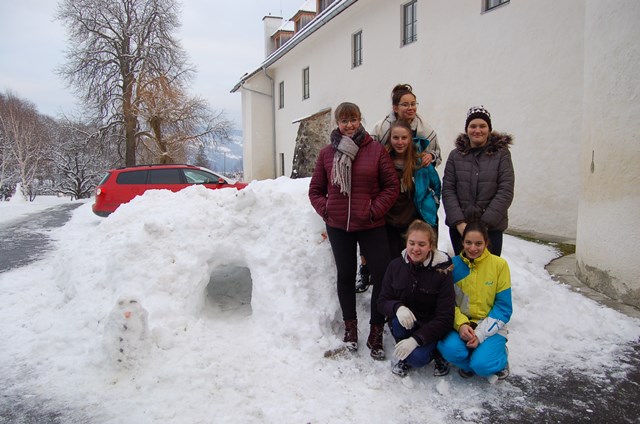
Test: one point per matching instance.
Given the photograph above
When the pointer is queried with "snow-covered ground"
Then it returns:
(229, 304)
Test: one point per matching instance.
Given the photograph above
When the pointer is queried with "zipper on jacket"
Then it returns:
(349, 214)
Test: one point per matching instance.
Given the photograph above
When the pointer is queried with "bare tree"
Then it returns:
(79, 159)
(24, 140)
(7, 168)
(111, 44)
(176, 122)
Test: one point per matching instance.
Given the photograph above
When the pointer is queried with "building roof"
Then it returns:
(329, 13)
(288, 26)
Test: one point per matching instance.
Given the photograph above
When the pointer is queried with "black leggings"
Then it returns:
(397, 241)
(495, 241)
(375, 247)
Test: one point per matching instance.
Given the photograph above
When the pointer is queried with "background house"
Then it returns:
(562, 77)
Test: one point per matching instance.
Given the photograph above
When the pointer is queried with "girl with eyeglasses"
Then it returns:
(352, 187)
(404, 108)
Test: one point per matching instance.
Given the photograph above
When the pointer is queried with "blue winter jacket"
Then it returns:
(427, 187)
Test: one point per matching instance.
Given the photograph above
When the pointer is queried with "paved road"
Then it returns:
(22, 242)
(25, 240)
(571, 397)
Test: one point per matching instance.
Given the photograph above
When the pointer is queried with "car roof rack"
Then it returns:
(157, 164)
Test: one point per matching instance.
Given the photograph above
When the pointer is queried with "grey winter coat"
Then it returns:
(478, 182)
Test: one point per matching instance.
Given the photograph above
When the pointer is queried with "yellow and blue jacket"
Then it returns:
(483, 294)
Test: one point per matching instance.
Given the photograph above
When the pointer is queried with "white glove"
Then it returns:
(406, 317)
(405, 347)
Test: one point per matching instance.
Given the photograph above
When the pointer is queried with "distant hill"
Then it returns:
(226, 157)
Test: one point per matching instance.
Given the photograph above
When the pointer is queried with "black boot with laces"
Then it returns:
(363, 279)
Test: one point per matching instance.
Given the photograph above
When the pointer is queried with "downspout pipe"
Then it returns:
(273, 121)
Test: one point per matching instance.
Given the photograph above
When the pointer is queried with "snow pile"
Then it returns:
(217, 306)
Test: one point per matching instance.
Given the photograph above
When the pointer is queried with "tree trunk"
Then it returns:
(130, 118)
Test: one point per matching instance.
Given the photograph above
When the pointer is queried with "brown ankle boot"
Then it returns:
(374, 342)
(351, 334)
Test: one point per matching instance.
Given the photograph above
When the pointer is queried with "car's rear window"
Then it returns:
(132, 177)
(165, 176)
(105, 178)
(197, 176)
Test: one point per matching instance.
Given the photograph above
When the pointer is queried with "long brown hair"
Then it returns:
(410, 156)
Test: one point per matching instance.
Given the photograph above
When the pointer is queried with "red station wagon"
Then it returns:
(123, 184)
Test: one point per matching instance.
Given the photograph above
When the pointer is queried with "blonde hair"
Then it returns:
(420, 225)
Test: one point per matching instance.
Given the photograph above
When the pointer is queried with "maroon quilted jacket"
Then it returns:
(374, 188)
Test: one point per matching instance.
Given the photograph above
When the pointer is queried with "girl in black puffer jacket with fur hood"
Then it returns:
(418, 299)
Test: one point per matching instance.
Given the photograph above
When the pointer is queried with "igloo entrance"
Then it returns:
(229, 290)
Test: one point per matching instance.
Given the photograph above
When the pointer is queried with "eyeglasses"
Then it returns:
(412, 104)
(352, 121)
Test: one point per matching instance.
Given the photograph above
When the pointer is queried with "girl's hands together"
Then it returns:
(468, 335)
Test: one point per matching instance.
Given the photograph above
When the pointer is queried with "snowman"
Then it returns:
(126, 332)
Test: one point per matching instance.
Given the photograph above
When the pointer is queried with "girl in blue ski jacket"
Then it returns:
(482, 282)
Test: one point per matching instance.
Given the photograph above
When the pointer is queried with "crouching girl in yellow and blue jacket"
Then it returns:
(482, 283)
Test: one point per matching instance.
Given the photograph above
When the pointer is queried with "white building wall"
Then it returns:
(523, 61)
(609, 212)
(257, 128)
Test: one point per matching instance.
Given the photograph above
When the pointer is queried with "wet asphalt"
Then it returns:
(25, 240)
(566, 397)
(571, 397)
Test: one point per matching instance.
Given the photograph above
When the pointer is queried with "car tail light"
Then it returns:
(99, 191)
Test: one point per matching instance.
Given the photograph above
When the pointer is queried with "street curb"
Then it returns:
(563, 270)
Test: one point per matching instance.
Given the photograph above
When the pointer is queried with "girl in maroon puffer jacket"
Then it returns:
(353, 186)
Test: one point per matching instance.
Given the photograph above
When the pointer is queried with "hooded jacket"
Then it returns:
(374, 188)
(483, 294)
(478, 183)
(426, 289)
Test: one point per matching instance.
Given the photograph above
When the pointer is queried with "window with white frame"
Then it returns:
(409, 22)
(281, 95)
(492, 4)
(356, 49)
(305, 83)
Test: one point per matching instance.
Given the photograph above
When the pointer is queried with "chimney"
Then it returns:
(271, 25)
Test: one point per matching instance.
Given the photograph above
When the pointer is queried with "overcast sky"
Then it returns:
(224, 39)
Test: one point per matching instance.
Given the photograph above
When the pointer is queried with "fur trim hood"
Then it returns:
(437, 259)
(497, 141)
